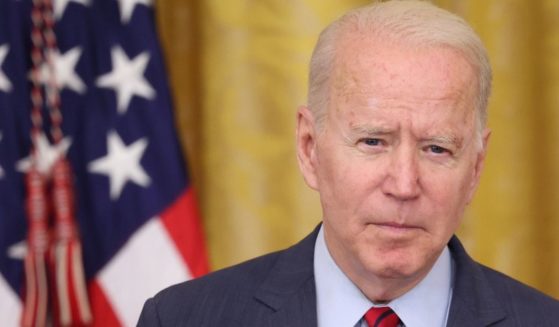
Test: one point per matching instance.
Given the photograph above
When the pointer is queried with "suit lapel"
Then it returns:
(473, 301)
(289, 290)
(299, 310)
(290, 295)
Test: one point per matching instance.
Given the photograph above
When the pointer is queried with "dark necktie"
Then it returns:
(381, 317)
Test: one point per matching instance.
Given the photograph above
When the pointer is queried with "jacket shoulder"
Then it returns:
(485, 297)
(524, 302)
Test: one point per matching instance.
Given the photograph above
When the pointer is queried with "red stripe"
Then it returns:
(103, 314)
(182, 222)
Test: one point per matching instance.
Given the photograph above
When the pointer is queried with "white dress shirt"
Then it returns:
(341, 304)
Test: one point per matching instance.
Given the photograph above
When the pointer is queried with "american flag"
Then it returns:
(135, 208)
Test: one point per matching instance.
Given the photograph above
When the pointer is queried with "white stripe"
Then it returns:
(10, 310)
(147, 263)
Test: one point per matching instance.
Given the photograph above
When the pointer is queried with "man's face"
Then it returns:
(397, 159)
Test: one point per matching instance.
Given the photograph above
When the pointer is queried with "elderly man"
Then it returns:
(393, 139)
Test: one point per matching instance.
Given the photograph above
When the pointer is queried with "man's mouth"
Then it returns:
(396, 227)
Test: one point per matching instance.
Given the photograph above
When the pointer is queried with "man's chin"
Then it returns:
(397, 265)
(397, 272)
(385, 281)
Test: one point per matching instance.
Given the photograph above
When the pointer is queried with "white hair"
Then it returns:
(416, 23)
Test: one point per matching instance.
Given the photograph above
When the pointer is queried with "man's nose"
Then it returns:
(402, 177)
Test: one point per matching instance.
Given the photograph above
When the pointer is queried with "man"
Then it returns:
(394, 140)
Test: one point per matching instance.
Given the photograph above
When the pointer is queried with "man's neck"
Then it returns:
(377, 288)
(340, 302)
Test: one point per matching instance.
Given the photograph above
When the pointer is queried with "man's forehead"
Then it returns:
(372, 66)
(377, 53)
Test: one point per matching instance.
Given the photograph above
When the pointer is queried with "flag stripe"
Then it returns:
(135, 272)
(103, 313)
(10, 310)
(182, 223)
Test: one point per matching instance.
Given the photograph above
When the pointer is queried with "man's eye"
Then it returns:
(371, 142)
(437, 149)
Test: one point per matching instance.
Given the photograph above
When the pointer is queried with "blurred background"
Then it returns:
(238, 71)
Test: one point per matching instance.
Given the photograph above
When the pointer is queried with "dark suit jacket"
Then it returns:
(278, 289)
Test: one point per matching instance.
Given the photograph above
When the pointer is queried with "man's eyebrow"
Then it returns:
(446, 139)
(453, 140)
(369, 130)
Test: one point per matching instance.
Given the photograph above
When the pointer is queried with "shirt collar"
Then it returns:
(428, 302)
(341, 303)
(338, 301)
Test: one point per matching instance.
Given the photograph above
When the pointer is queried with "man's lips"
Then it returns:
(396, 226)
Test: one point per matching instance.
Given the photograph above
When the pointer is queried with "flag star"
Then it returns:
(17, 251)
(127, 7)
(64, 70)
(127, 78)
(121, 164)
(60, 6)
(5, 84)
(47, 154)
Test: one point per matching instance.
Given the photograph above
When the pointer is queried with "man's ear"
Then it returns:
(480, 160)
(306, 145)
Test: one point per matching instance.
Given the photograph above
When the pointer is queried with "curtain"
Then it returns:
(238, 71)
